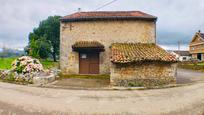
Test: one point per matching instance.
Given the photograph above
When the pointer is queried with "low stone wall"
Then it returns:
(143, 74)
(37, 78)
(42, 80)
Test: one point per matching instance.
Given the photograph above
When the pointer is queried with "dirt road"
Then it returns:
(23, 100)
(189, 76)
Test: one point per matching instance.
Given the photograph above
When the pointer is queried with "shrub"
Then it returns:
(26, 64)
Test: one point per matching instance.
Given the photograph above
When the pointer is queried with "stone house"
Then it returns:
(196, 46)
(119, 43)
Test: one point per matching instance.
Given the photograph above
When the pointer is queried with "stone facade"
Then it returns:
(130, 54)
(106, 32)
(145, 74)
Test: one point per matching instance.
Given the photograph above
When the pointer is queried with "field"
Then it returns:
(5, 63)
(47, 64)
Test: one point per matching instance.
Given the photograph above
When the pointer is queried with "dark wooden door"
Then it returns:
(199, 56)
(89, 63)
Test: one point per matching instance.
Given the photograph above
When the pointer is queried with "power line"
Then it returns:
(105, 5)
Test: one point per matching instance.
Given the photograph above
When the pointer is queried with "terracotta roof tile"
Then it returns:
(101, 15)
(138, 52)
(88, 44)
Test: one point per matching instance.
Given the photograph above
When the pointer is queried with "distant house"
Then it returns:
(119, 43)
(181, 55)
(196, 46)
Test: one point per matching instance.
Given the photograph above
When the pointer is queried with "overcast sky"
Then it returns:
(178, 20)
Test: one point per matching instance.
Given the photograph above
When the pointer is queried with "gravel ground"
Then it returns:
(23, 100)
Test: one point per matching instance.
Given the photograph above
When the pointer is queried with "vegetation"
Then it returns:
(10, 78)
(135, 84)
(48, 64)
(85, 76)
(26, 65)
(44, 40)
(193, 66)
(5, 63)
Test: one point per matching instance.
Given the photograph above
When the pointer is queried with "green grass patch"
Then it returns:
(104, 76)
(139, 84)
(48, 64)
(5, 63)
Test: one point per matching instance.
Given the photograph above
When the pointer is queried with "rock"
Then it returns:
(42, 80)
(4, 73)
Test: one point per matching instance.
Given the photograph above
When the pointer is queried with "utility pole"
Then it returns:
(79, 9)
(179, 45)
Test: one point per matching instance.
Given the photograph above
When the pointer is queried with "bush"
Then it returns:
(26, 64)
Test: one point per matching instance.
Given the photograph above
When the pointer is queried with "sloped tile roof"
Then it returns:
(102, 15)
(201, 35)
(88, 44)
(138, 52)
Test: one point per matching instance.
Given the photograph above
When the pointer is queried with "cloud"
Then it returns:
(175, 47)
(177, 20)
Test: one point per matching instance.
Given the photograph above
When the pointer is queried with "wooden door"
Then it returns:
(89, 63)
(199, 56)
(83, 63)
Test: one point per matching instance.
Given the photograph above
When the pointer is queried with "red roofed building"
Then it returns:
(119, 43)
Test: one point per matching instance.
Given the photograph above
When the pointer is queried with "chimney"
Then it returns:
(79, 9)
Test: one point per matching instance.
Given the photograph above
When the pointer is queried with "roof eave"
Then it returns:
(107, 18)
(144, 61)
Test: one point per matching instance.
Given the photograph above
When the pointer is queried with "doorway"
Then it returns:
(88, 62)
(199, 56)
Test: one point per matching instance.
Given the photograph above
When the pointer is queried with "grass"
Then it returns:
(85, 76)
(5, 63)
(48, 64)
(199, 66)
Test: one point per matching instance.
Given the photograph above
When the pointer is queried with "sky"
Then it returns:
(178, 20)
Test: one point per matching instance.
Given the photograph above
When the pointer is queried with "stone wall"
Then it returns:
(146, 74)
(105, 32)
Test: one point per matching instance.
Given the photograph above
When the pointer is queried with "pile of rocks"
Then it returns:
(4, 73)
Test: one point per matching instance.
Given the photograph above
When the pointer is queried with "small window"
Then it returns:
(83, 56)
(184, 58)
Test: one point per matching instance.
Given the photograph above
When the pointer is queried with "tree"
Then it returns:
(51, 28)
(44, 40)
(44, 48)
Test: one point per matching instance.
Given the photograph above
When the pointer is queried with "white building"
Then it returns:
(181, 55)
